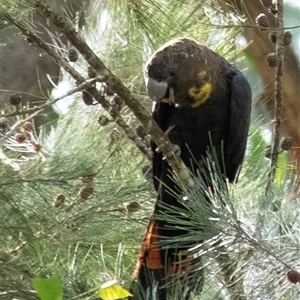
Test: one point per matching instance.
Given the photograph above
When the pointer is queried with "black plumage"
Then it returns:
(202, 102)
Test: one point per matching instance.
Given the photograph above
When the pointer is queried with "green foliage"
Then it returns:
(80, 238)
(48, 288)
(256, 232)
(40, 238)
(14, 7)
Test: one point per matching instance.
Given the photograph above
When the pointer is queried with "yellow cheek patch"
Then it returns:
(200, 94)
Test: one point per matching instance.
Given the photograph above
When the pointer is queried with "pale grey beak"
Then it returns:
(156, 89)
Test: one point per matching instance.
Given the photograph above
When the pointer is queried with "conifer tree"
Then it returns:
(76, 194)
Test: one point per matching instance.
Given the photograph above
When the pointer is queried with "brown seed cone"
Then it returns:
(87, 98)
(103, 121)
(15, 99)
(272, 37)
(293, 276)
(266, 3)
(58, 200)
(287, 38)
(286, 144)
(91, 72)
(262, 21)
(268, 152)
(20, 137)
(28, 126)
(132, 207)
(72, 55)
(141, 132)
(85, 192)
(37, 147)
(272, 60)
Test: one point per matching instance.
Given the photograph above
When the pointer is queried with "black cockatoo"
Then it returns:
(201, 101)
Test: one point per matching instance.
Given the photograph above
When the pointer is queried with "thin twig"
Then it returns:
(251, 26)
(80, 87)
(131, 134)
(18, 124)
(156, 133)
(278, 94)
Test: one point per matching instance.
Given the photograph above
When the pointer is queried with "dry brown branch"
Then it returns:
(278, 93)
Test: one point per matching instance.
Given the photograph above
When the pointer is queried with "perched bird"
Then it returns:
(201, 102)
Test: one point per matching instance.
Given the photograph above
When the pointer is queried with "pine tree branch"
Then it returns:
(115, 84)
(278, 94)
(81, 80)
(18, 124)
(80, 87)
